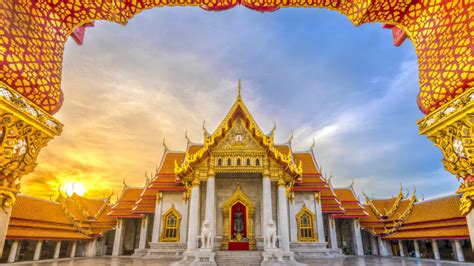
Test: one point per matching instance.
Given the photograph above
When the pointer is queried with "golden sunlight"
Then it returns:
(73, 187)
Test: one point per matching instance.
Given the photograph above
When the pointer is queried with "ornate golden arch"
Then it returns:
(164, 221)
(311, 227)
(238, 196)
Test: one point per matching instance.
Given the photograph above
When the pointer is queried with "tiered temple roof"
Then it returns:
(39, 219)
(350, 203)
(88, 215)
(437, 218)
(126, 202)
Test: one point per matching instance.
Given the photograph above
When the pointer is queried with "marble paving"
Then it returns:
(348, 261)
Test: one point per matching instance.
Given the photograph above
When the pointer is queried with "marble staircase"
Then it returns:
(237, 258)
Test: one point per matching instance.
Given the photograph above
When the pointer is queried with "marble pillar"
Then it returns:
(73, 249)
(402, 248)
(283, 216)
(143, 232)
(470, 225)
(193, 226)
(459, 251)
(211, 202)
(434, 246)
(117, 248)
(4, 221)
(417, 249)
(382, 247)
(319, 217)
(91, 248)
(332, 232)
(57, 250)
(374, 246)
(357, 236)
(155, 236)
(267, 200)
(38, 247)
(13, 251)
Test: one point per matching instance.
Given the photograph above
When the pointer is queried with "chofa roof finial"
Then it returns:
(238, 90)
(164, 144)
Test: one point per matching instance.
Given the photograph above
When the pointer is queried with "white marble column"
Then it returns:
(211, 201)
(470, 225)
(319, 217)
(373, 244)
(459, 251)
(402, 248)
(155, 235)
(38, 247)
(434, 246)
(73, 249)
(4, 221)
(143, 232)
(417, 249)
(13, 251)
(117, 249)
(357, 236)
(193, 226)
(283, 216)
(57, 250)
(382, 246)
(332, 232)
(267, 200)
(91, 248)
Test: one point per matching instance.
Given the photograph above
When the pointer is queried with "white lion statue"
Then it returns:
(207, 239)
(271, 234)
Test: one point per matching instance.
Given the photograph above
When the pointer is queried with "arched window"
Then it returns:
(238, 162)
(248, 161)
(305, 222)
(171, 222)
(257, 162)
(219, 162)
(229, 162)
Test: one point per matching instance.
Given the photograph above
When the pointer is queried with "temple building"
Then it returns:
(238, 190)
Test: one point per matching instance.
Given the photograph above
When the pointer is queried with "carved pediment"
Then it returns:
(238, 139)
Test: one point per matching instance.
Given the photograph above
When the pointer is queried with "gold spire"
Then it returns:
(238, 91)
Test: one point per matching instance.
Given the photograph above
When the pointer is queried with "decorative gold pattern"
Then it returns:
(24, 130)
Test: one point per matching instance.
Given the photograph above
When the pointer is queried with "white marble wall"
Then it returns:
(300, 200)
(176, 198)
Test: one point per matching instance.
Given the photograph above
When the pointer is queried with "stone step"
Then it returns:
(238, 258)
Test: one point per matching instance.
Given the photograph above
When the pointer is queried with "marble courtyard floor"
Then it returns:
(348, 261)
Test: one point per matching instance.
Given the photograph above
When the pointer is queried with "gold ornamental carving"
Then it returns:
(24, 130)
(451, 128)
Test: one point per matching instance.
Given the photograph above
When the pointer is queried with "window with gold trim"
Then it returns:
(171, 222)
(305, 222)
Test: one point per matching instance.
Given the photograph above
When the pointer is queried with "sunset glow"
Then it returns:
(73, 187)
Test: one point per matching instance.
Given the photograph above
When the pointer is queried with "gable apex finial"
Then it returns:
(238, 90)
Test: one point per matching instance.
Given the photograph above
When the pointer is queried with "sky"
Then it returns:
(310, 70)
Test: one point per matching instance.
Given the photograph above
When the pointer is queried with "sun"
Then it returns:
(73, 187)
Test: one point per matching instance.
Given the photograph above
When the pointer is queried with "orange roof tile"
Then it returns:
(126, 202)
(350, 204)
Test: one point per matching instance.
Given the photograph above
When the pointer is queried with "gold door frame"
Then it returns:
(238, 196)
